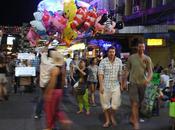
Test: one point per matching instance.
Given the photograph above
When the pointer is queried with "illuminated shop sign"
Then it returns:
(155, 42)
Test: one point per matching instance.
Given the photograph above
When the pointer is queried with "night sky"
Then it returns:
(15, 12)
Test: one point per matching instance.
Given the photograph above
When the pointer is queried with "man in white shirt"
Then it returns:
(164, 79)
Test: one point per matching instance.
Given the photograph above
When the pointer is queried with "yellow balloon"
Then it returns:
(70, 9)
(69, 34)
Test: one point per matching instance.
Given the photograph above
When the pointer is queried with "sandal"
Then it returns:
(66, 124)
(79, 112)
(113, 121)
(114, 124)
(136, 126)
(106, 125)
(131, 123)
(87, 113)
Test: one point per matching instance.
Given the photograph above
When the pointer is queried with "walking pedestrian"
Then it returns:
(110, 72)
(73, 69)
(53, 93)
(45, 67)
(82, 97)
(68, 62)
(92, 79)
(139, 70)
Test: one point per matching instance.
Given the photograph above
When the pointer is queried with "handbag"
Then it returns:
(148, 101)
(172, 109)
(80, 88)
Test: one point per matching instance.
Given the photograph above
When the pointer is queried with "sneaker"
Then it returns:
(37, 117)
(141, 120)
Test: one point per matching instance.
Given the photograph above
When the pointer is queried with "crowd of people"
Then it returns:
(84, 76)
(107, 74)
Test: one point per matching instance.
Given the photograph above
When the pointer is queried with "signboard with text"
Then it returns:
(25, 71)
(26, 56)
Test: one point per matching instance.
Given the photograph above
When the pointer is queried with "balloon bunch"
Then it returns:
(105, 25)
(68, 20)
(45, 26)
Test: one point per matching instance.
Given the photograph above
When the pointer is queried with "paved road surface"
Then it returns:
(17, 114)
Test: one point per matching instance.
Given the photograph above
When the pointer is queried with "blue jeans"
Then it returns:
(40, 102)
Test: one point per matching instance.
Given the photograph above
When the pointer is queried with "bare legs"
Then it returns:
(112, 113)
(109, 118)
(92, 94)
(134, 114)
(3, 92)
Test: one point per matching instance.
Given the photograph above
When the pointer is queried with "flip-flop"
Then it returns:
(79, 112)
(87, 113)
(114, 123)
(136, 127)
(131, 123)
(106, 125)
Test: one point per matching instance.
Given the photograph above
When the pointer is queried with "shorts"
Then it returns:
(67, 73)
(3, 79)
(136, 92)
(91, 82)
(111, 99)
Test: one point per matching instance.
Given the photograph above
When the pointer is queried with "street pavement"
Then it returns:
(18, 114)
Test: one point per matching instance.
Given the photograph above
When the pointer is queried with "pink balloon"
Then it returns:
(56, 21)
(102, 11)
(32, 36)
(60, 18)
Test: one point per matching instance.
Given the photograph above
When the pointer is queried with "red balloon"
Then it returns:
(45, 17)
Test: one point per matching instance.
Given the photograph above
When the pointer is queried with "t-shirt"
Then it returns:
(92, 73)
(138, 68)
(165, 79)
(80, 75)
(45, 68)
(68, 61)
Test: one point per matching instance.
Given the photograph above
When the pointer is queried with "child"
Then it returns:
(83, 99)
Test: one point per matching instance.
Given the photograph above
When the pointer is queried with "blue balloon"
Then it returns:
(41, 33)
(51, 13)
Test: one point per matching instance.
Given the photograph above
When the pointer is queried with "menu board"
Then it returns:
(25, 71)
